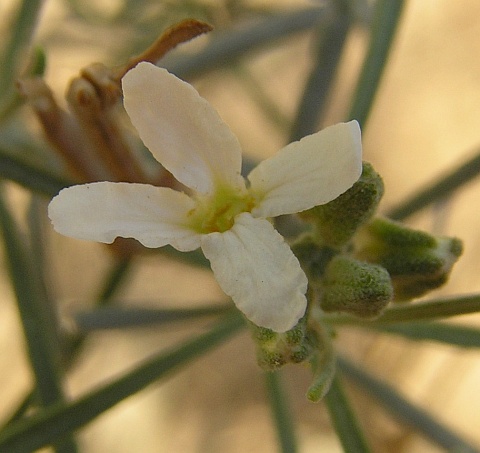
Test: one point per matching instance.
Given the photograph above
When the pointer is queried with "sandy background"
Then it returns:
(425, 120)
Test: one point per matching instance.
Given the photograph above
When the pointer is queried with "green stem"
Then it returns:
(331, 41)
(433, 309)
(30, 304)
(120, 317)
(344, 420)
(26, 404)
(116, 277)
(438, 190)
(111, 283)
(386, 18)
(40, 330)
(281, 412)
(227, 47)
(70, 350)
(405, 411)
(442, 332)
(37, 236)
(55, 422)
(22, 30)
(31, 177)
(260, 96)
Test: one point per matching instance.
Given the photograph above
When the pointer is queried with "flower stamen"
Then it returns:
(217, 213)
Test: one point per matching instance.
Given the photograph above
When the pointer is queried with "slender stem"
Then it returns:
(22, 30)
(262, 99)
(344, 420)
(26, 404)
(52, 423)
(281, 412)
(438, 190)
(331, 41)
(38, 257)
(118, 317)
(115, 277)
(30, 304)
(385, 21)
(70, 350)
(405, 411)
(30, 177)
(449, 333)
(224, 48)
(39, 328)
(434, 309)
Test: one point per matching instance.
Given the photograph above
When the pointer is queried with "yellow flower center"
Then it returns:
(217, 213)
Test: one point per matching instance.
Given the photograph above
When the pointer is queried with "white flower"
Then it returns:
(224, 215)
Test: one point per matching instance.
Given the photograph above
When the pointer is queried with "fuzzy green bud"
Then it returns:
(355, 287)
(416, 261)
(277, 349)
(336, 222)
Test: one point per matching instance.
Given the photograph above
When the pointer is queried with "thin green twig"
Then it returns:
(21, 34)
(281, 412)
(442, 332)
(428, 310)
(115, 277)
(37, 242)
(438, 190)
(262, 99)
(331, 41)
(31, 177)
(122, 317)
(48, 425)
(344, 420)
(386, 18)
(227, 47)
(72, 347)
(36, 324)
(405, 411)
(27, 403)
(39, 328)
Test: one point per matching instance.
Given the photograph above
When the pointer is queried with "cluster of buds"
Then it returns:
(356, 263)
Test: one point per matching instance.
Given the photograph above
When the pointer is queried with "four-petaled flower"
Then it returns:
(224, 214)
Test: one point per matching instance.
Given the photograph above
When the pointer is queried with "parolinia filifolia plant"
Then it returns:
(342, 263)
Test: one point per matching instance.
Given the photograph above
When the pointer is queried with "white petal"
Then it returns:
(181, 129)
(308, 173)
(256, 268)
(102, 211)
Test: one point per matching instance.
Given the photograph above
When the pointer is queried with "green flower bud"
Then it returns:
(416, 261)
(277, 349)
(355, 287)
(336, 222)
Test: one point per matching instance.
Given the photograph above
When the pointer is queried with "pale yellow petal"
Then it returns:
(256, 268)
(102, 211)
(181, 129)
(308, 173)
